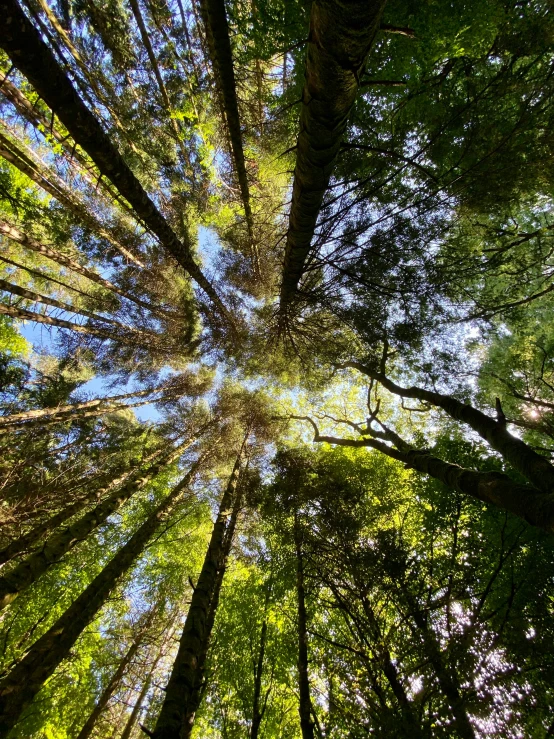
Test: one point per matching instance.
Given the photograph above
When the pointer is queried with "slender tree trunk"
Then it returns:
(177, 714)
(115, 680)
(215, 22)
(35, 117)
(38, 532)
(339, 42)
(28, 52)
(13, 233)
(447, 678)
(58, 544)
(71, 409)
(20, 686)
(52, 184)
(72, 417)
(200, 683)
(517, 453)
(305, 703)
(45, 300)
(130, 725)
(257, 710)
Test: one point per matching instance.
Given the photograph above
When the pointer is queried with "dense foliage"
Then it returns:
(276, 369)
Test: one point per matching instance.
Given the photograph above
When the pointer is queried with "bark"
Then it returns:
(257, 711)
(28, 52)
(215, 23)
(38, 532)
(494, 488)
(27, 315)
(130, 725)
(58, 544)
(71, 409)
(200, 683)
(340, 38)
(36, 118)
(517, 453)
(52, 184)
(20, 686)
(305, 703)
(182, 689)
(73, 418)
(13, 233)
(45, 300)
(115, 680)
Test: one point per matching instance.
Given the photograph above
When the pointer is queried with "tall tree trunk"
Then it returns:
(115, 680)
(130, 725)
(58, 544)
(215, 22)
(494, 488)
(181, 693)
(20, 686)
(257, 710)
(200, 682)
(72, 409)
(28, 315)
(36, 118)
(38, 532)
(23, 292)
(52, 184)
(517, 453)
(339, 41)
(13, 233)
(305, 703)
(28, 52)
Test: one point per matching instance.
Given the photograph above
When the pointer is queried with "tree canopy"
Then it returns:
(276, 369)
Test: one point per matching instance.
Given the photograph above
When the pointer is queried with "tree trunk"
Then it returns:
(517, 453)
(215, 22)
(494, 488)
(29, 242)
(115, 680)
(23, 292)
(447, 679)
(305, 703)
(339, 41)
(72, 409)
(198, 692)
(28, 52)
(20, 686)
(257, 711)
(177, 714)
(24, 542)
(130, 725)
(36, 118)
(52, 184)
(56, 546)
(28, 315)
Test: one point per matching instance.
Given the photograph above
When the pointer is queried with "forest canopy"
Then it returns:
(276, 369)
